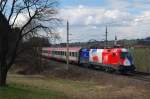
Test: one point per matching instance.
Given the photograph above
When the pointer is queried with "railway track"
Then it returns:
(137, 75)
(140, 76)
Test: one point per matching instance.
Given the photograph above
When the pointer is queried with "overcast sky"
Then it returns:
(127, 19)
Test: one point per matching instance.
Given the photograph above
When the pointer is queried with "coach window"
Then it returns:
(56, 52)
(63, 53)
(71, 53)
(76, 54)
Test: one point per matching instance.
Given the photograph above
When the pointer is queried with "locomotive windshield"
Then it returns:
(125, 55)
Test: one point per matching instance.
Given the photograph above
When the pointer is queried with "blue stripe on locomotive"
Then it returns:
(84, 56)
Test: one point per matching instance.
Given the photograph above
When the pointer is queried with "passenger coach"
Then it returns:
(61, 53)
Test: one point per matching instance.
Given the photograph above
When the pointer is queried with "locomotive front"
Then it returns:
(126, 61)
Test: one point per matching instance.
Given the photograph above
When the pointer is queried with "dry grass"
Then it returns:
(115, 89)
(142, 59)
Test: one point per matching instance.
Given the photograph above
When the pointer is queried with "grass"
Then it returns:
(142, 59)
(20, 91)
(56, 84)
(40, 87)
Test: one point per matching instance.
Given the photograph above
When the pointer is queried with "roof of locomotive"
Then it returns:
(112, 49)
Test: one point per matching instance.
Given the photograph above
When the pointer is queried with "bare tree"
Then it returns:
(40, 12)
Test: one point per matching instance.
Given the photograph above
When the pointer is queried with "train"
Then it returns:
(109, 59)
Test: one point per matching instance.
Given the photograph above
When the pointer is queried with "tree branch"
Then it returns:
(15, 18)
(28, 22)
(19, 13)
(39, 26)
(28, 7)
(3, 6)
(12, 9)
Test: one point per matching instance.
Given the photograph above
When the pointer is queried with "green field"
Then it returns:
(142, 59)
(19, 91)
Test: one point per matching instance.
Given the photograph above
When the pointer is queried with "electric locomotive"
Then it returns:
(118, 59)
